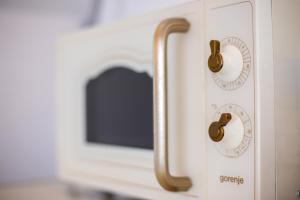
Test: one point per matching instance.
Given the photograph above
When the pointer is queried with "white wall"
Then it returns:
(27, 47)
(113, 10)
(28, 31)
(287, 96)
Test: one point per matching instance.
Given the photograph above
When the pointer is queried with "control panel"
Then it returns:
(231, 103)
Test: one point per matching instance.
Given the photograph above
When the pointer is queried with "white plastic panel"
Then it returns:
(231, 171)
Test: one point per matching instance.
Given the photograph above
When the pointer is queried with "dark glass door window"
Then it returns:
(119, 108)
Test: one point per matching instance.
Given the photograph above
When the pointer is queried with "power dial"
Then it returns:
(230, 62)
(231, 130)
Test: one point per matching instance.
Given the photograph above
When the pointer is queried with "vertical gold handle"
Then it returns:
(160, 100)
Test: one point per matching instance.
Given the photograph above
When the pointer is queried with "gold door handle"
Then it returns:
(160, 101)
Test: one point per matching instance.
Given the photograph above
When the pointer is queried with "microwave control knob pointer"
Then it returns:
(215, 60)
(216, 130)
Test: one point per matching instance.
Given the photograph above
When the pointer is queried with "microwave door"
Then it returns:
(123, 125)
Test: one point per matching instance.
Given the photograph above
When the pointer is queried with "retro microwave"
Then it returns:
(197, 101)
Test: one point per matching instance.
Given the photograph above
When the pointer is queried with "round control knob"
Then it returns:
(230, 62)
(232, 132)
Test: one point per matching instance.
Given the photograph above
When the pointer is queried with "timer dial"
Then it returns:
(236, 64)
(237, 132)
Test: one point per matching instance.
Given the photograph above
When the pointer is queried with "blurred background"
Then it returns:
(28, 34)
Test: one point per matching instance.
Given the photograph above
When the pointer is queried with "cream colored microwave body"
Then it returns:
(199, 101)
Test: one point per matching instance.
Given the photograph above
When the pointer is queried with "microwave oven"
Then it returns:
(196, 101)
